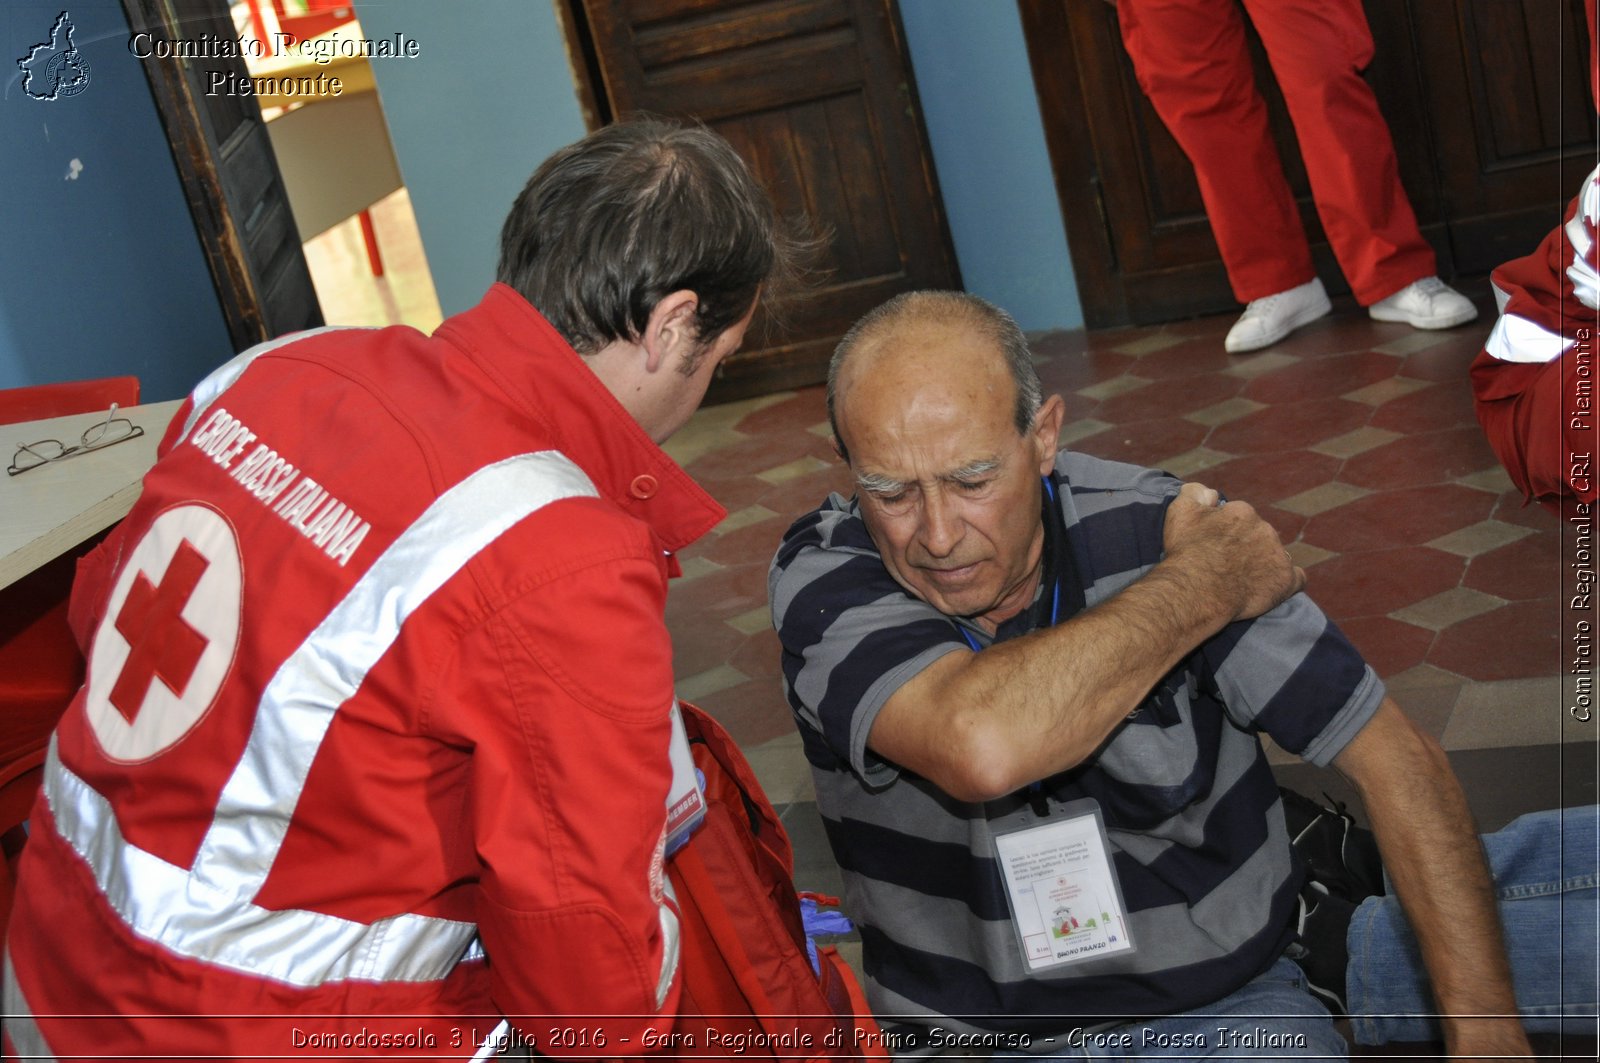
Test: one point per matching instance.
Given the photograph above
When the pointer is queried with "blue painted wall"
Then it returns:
(978, 102)
(467, 143)
(101, 272)
(489, 95)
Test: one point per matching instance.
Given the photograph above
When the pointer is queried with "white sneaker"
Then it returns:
(1427, 303)
(1269, 319)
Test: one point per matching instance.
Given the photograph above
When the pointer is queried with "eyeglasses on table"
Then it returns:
(107, 432)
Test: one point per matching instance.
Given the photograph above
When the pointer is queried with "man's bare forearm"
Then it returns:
(984, 724)
(1432, 854)
(1042, 704)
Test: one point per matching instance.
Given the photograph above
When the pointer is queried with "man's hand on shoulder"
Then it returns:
(1230, 550)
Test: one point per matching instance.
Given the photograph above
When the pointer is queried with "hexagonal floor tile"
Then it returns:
(1069, 372)
(1200, 355)
(1404, 517)
(1389, 646)
(1429, 410)
(1169, 398)
(1528, 568)
(1143, 442)
(1378, 582)
(1261, 478)
(1433, 457)
(1289, 427)
(1317, 377)
(1517, 641)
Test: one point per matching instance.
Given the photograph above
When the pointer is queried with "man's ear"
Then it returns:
(1047, 432)
(671, 332)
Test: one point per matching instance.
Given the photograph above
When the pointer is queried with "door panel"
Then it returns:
(1485, 100)
(1512, 118)
(816, 96)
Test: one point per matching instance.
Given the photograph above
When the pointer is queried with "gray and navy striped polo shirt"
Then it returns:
(1189, 803)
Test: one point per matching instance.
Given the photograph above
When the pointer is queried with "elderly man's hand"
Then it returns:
(1231, 550)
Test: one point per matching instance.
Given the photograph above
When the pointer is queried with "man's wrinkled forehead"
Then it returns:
(913, 369)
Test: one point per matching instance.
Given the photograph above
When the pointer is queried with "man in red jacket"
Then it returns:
(373, 747)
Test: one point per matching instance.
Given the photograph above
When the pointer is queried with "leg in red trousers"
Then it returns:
(1318, 49)
(1193, 62)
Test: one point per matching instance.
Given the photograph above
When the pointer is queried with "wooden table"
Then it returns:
(47, 511)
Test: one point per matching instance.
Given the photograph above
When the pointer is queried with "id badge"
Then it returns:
(1066, 904)
(686, 800)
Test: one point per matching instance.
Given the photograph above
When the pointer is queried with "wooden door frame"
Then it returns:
(174, 90)
(1054, 59)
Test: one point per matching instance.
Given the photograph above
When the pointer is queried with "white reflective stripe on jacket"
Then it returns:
(1518, 338)
(207, 912)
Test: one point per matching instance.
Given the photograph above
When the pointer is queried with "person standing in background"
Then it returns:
(1193, 61)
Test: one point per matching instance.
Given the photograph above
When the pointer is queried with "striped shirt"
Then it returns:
(1189, 803)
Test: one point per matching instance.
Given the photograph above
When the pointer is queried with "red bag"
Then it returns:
(748, 988)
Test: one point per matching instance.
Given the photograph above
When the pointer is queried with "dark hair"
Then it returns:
(950, 308)
(608, 226)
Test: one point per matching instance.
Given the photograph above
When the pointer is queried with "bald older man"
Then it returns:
(1029, 686)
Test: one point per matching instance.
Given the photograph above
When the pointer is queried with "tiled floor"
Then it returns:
(1357, 440)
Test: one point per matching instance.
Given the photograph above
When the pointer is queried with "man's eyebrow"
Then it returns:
(973, 470)
(878, 484)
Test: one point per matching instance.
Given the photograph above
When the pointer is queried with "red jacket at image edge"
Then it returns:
(501, 765)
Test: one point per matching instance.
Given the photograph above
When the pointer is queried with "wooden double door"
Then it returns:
(1486, 99)
(817, 96)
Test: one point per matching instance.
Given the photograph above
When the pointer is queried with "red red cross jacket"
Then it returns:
(378, 684)
(1534, 380)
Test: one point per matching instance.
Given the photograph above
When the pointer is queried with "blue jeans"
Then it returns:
(1549, 896)
(1271, 1017)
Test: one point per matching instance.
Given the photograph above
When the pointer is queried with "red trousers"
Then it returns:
(1192, 60)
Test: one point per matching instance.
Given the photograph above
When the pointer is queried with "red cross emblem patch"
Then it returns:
(168, 635)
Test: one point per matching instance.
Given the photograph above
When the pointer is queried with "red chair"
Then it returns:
(74, 396)
(319, 17)
(40, 666)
